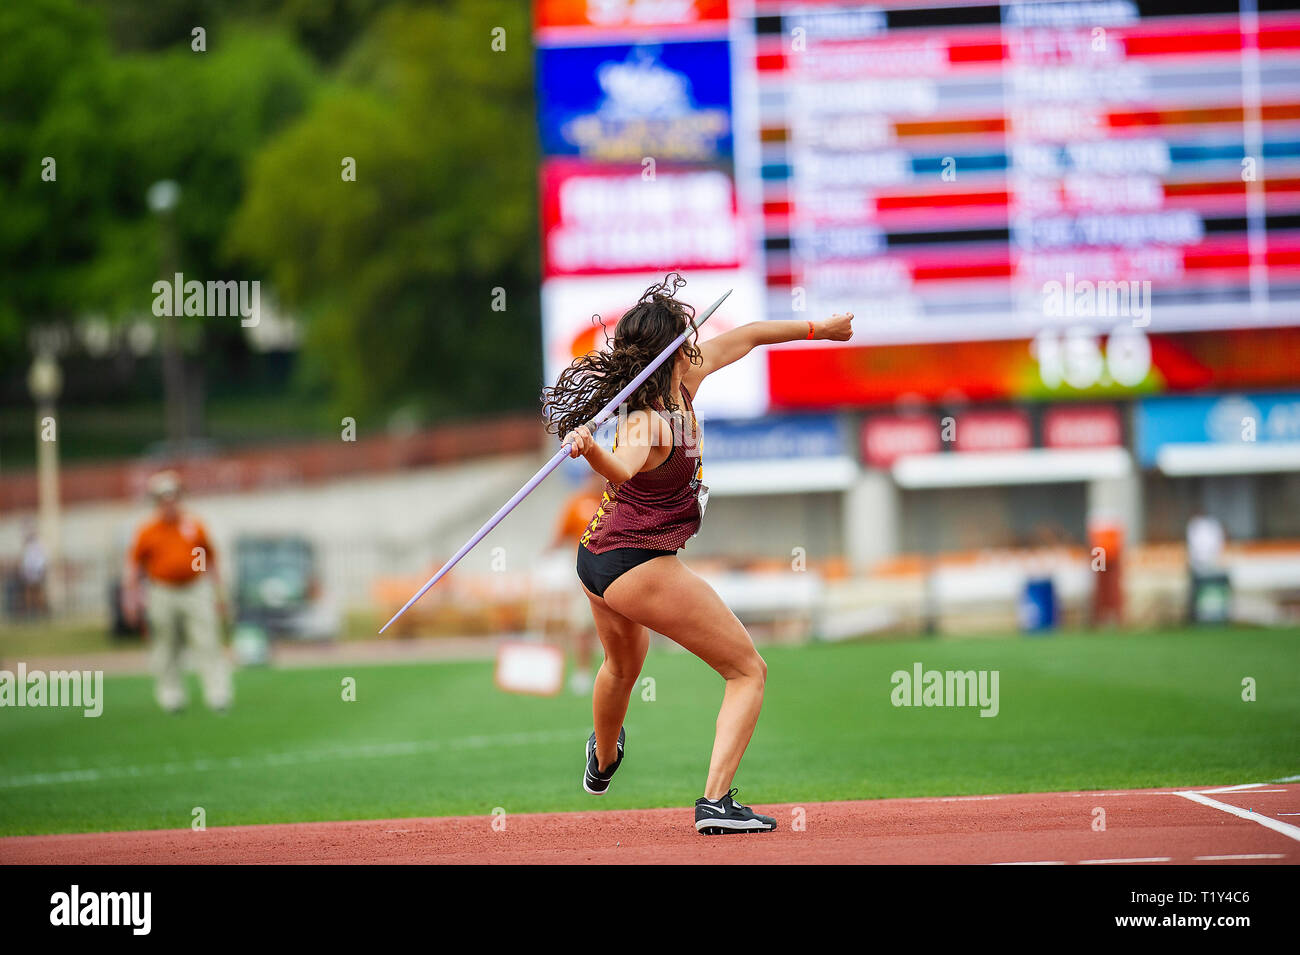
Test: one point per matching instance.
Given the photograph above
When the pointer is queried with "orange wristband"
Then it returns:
(810, 331)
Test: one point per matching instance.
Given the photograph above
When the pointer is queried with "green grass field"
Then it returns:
(1076, 712)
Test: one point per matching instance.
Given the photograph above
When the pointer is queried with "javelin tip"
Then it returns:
(710, 310)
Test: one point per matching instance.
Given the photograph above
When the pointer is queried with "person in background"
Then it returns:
(1207, 593)
(172, 550)
(568, 608)
(33, 566)
(1205, 540)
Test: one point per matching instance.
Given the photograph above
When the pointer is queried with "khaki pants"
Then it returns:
(186, 612)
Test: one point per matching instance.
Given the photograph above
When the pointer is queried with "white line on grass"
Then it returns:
(361, 751)
(1288, 830)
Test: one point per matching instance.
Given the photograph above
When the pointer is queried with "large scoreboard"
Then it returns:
(1020, 200)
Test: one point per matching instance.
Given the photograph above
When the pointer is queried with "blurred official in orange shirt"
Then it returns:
(565, 608)
(183, 595)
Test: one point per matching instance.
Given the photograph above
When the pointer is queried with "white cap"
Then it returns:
(164, 484)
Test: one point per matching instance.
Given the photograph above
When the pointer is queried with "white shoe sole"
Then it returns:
(733, 825)
(595, 792)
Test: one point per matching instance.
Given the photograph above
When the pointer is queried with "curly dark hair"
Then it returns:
(645, 330)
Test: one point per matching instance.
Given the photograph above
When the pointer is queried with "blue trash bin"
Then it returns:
(1038, 610)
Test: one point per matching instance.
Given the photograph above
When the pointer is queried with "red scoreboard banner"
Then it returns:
(637, 14)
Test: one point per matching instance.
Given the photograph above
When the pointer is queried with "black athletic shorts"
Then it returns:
(598, 571)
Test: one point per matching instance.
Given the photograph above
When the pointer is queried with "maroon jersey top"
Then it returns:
(660, 508)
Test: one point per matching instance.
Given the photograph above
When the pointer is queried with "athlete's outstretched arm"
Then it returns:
(731, 346)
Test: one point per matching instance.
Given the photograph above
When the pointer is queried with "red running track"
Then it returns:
(1141, 826)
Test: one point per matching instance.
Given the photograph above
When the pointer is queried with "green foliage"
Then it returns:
(47, 45)
(394, 273)
(87, 241)
(324, 28)
(178, 115)
(397, 269)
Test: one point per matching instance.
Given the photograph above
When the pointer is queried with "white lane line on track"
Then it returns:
(361, 751)
(964, 798)
(1093, 795)
(1027, 863)
(1249, 855)
(1285, 828)
(1227, 789)
(1116, 861)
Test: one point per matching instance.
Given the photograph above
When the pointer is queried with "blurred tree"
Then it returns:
(87, 242)
(397, 269)
(325, 28)
(47, 44)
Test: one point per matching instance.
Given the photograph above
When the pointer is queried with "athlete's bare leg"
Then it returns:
(625, 644)
(666, 596)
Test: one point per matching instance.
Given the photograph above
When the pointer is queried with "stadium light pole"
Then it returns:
(162, 199)
(45, 382)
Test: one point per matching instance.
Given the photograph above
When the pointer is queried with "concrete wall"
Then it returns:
(770, 526)
(393, 525)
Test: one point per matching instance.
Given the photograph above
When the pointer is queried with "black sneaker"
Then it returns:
(593, 780)
(727, 816)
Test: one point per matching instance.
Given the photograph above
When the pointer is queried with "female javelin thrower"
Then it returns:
(652, 505)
